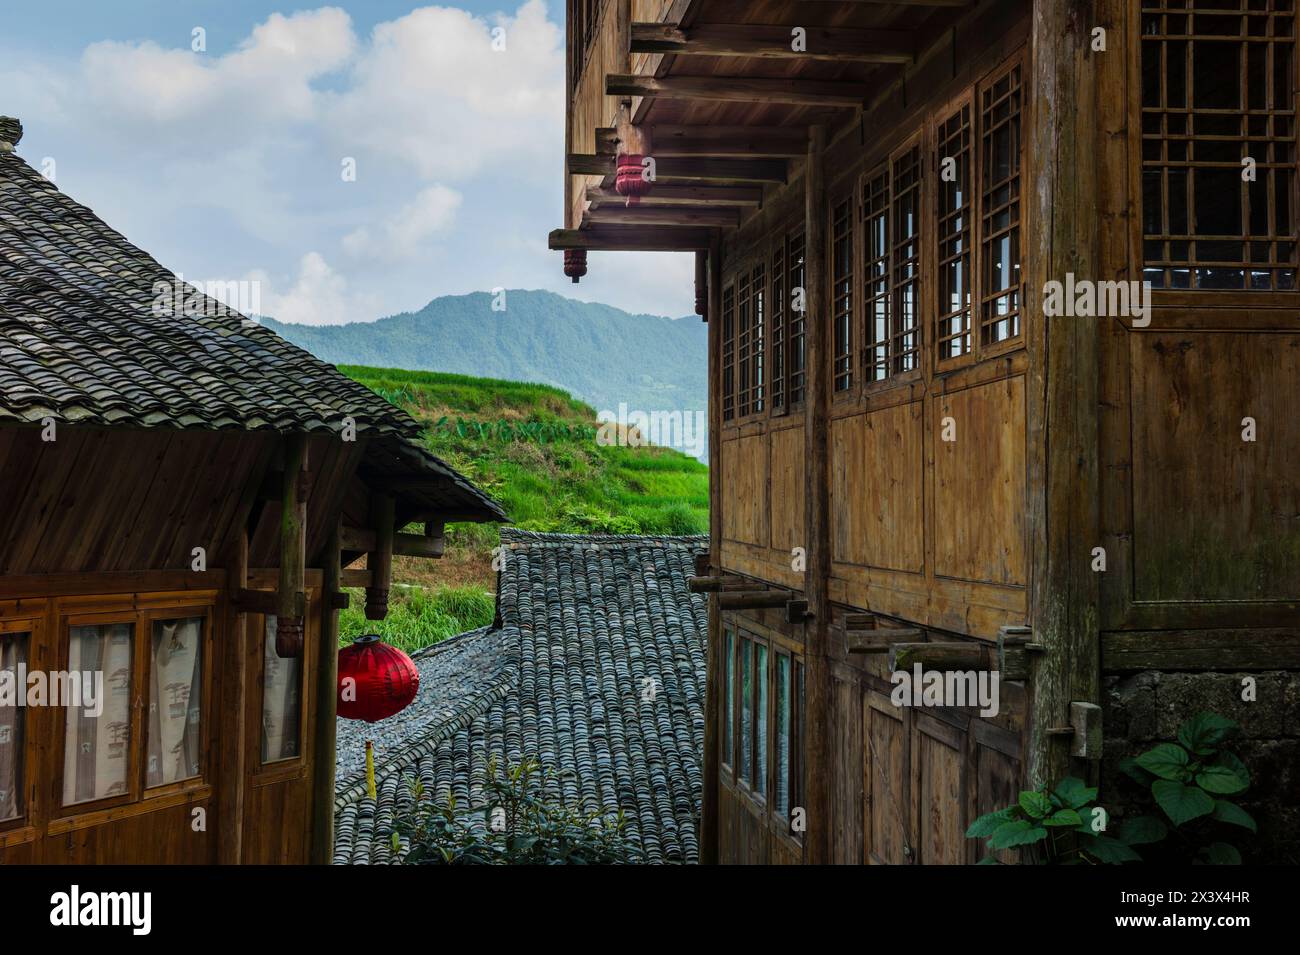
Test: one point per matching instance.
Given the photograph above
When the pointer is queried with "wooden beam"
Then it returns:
(712, 217)
(960, 655)
(380, 560)
(613, 238)
(818, 765)
(327, 670)
(668, 195)
(753, 599)
(706, 169)
(736, 142)
(904, 3)
(360, 577)
(235, 685)
(774, 42)
(740, 89)
(1067, 133)
(714, 584)
(358, 539)
(289, 629)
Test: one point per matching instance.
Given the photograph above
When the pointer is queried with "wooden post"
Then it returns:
(1063, 236)
(234, 705)
(709, 834)
(322, 826)
(817, 570)
(293, 546)
(380, 560)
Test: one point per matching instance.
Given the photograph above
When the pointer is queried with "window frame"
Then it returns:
(140, 610)
(290, 767)
(745, 388)
(982, 349)
(789, 334)
(31, 623)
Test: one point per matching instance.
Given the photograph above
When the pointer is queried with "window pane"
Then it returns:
(175, 703)
(1000, 136)
(800, 721)
(798, 295)
(781, 792)
(281, 700)
(729, 702)
(746, 768)
(760, 733)
(97, 741)
(728, 354)
(13, 654)
(842, 293)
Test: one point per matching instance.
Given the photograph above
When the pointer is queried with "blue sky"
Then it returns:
(227, 163)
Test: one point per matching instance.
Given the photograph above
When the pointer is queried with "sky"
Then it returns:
(221, 137)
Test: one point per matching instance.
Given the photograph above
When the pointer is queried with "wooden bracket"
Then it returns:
(1015, 649)
(753, 600)
(724, 582)
(266, 602)
(702, 561)
(1085, 721)
(796, 611)
(340, 600)
(966, 655)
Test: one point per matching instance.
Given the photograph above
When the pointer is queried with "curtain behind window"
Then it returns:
(281, 696)
(175, 703)
(96, 749)
(13, 653)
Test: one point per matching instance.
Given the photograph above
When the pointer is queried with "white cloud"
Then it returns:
(319, 296)
(402, 236)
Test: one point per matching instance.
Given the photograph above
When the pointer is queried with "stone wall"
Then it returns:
(1146, 708)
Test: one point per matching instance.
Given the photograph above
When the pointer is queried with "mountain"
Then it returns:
(599, 354)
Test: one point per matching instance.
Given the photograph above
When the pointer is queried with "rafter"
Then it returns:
(632, 238)
(713, 218)
(703, 169)
(737, 142)
(820, 43)
(672, 195)
(736, 89)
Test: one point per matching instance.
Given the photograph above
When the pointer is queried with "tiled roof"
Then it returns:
(585, 623)
(81, 342)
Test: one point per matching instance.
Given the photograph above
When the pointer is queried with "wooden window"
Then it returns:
(842, 293)
(15, 654)
(744, 331)
(282, 700)
(801, 739)
(954, 149)
(781, 738)
(798, 295)
(175, 701)
(1000, 161)
(905, 259)
(728, 353)
(779, 311)
(875, 275)
(729, 704)
(98, 739)
(752, 402)
(760, 719)
(746, 765)
(1219, 89)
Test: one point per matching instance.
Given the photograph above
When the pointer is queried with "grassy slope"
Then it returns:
(552, 481)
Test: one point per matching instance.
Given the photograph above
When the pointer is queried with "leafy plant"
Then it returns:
(518, 824)
(1185, 779)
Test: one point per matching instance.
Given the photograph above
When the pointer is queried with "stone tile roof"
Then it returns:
(585, 623)
(82, 342)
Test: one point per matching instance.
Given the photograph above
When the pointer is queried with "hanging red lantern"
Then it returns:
(630, 179)
(383, 680)
(575, 263)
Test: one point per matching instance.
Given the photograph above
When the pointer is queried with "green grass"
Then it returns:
(555, 479)
(418, 616)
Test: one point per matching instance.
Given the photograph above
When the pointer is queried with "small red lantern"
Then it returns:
(383, 680)
(630, 180)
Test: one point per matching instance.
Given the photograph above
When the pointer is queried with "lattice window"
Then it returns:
(795, 264)
(1000, 161)
(729, 353)
(842, 293)
(1218, 89)
(744, 339)
(780, 315)
(875, 275)
(757, 333)
(905, 260)
(954, 148)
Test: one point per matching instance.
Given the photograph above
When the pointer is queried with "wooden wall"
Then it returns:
(591, 107)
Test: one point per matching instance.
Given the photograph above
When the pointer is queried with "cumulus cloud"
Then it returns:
(403, 235)
(319, 296)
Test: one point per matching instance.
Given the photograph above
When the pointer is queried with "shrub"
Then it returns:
(518, 824)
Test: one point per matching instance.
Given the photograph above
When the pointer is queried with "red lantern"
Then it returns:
(384, 680)
(630, 179)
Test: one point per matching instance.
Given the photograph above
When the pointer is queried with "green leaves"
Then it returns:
(1223, 780)
(1142, 830)
(1017, 833)
(1073, 793)
(1107, 849)
(1063, 817)
(1181, 803)
(1205, 731)
(1036, 805)
(1168, 761)
(989, 823)
(1220, 853)
(1233, 815)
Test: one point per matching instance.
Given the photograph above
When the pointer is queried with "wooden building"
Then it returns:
(182, 491)
(916, 457)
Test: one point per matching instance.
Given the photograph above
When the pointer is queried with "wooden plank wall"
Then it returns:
(592, 108)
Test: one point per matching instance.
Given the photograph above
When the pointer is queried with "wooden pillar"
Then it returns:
(380, 560)
(293, 546)
(322, 835)
(709, 834)
(235, 686)
(1062, 203)
(817, 571)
